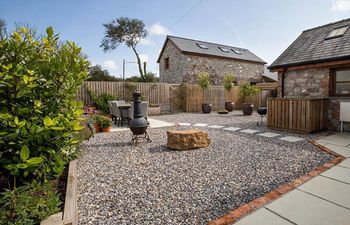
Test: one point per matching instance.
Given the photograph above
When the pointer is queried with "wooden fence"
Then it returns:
(217, 96)
(298, 115)
(174, 97)
(155, 93)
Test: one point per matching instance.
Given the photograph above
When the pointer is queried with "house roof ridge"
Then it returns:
(325, 25)
(208, 42)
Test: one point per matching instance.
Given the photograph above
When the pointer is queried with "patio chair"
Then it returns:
(115, 112)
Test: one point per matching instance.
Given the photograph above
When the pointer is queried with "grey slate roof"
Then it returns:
(313, 47)
(190, 46)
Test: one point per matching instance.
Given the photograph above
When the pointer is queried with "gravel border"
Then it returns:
(149, 184)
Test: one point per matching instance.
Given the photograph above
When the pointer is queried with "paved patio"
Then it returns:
(324, 200)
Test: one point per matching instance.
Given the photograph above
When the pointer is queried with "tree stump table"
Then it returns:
(187, 139)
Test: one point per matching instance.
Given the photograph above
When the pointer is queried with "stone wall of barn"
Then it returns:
(173, 74)
(218, 67)
(183, 68)
(313, 83)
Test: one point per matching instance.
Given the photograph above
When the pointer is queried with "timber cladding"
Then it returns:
(301, 115)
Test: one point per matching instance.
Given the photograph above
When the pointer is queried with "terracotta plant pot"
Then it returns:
(229, 106)
(206, 108)
(106, 129)
(248, 109)
(97, 127)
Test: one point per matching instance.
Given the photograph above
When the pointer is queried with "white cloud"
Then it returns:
(146, 41)
(158, 29)
(110, 64)
(341, 5)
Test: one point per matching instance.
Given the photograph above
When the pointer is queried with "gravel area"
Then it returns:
(149, 184)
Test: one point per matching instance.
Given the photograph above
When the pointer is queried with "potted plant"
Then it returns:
(247, 90)
(154, 109)
(105, 124)
(203, 82)
(96, 121)
(228, 84)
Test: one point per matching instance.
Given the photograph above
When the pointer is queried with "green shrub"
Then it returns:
(39, 117)
(247, 90)
(228, 81)
(28, 204)
(203, 80)
(105, 122)
(101, 101)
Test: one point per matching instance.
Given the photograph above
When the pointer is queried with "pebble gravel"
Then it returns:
(149, 184)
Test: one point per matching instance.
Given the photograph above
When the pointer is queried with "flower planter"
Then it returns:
(229, 106)
(106, 129)
(97, 127)
(206, 108)
(154, 111)
(69, 216)
(248, 109)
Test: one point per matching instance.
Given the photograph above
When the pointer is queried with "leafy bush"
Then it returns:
(228, 80)
(247, 90)
(105, 122)
(28, 204)
(39, 117)
(101, 101)
(203, 80)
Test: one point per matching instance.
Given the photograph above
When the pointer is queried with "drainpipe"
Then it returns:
(282, 81)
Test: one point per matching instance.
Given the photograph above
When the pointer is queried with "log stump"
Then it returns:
(187, 139)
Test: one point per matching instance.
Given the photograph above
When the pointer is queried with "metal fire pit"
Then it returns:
(262, 111)
(138, 125)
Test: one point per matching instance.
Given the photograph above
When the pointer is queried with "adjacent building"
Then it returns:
(317, 64)
(181, 59)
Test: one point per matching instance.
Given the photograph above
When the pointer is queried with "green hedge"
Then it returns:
(39, 117)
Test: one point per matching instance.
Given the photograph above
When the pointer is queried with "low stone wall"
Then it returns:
(334, 113)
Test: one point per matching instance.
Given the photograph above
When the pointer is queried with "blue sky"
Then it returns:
(265, 27)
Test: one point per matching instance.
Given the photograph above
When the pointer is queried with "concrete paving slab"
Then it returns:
(305, 209)
(338, 173)
(216, 126)
(345, 163)
(153, 123)
(184, 124)
(291, 139)
(344, 151)
(249, 131)
(200, 125)
(341, 139)
(269, 134)
(263, 217)
(328, 189)
(232, 128)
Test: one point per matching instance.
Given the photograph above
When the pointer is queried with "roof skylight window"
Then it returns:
(337, 32)
(238, 52)
(223, 49)
(203, 46)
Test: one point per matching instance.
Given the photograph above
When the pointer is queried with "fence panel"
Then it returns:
(298, 115)
(155, 93)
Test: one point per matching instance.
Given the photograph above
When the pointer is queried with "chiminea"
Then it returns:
(138, 125)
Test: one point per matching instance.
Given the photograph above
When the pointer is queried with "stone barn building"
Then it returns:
(181, 59)
(317, 64)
